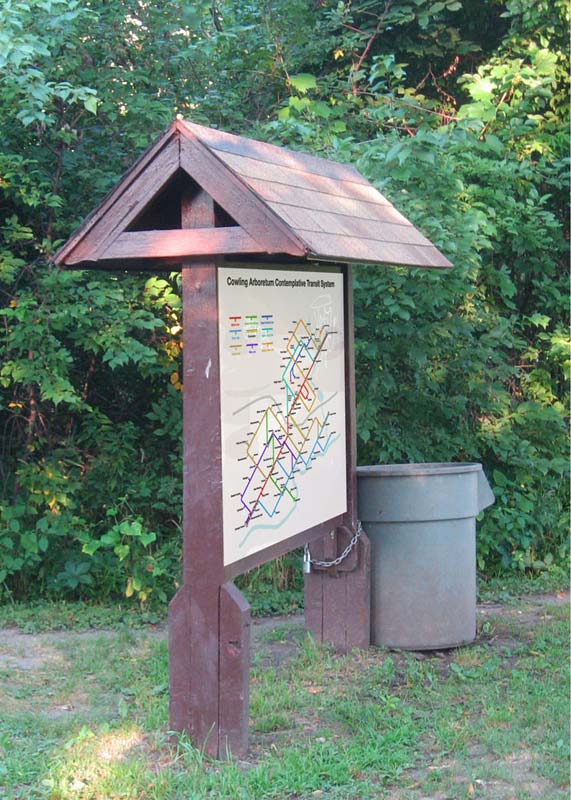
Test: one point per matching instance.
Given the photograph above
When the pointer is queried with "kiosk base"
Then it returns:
(209, 672)
(338, 599)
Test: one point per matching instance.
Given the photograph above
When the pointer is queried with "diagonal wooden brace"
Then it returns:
(209, 671)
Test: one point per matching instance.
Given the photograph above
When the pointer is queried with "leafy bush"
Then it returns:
(460, 116)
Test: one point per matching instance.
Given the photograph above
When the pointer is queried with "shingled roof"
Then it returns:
(282, 202)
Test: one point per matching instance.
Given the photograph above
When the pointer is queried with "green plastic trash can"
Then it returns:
(421, 521)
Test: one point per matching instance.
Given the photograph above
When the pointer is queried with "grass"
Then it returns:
(62, 615)
(59, 615)
(84, 716)
(515, 585)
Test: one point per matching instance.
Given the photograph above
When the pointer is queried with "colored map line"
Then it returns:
(303, 393)
(288, 475)
(283, 520)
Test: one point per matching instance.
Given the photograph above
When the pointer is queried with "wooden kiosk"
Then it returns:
(265, 238)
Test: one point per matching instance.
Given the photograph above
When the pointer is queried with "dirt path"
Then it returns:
(274, 639)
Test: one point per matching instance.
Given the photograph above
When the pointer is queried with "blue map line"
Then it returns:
(288, 475)
(278, 501)
(283, 520)
(268, 527)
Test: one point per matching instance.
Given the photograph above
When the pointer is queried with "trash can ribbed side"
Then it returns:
(420, 519)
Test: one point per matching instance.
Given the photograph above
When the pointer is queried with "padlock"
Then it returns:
(306, 561)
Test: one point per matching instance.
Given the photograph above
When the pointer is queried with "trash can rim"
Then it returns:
(420, 468)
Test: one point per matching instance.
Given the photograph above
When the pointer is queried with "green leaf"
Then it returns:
(111, 538)
(121, 551)
(89, 548)
(545, 62)
(320, 109)
(303, 82)
(499, 478)
(29, 541)
(147, 538)
(90, 103)
(540, 320)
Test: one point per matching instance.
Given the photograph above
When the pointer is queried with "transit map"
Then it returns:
(282, 381)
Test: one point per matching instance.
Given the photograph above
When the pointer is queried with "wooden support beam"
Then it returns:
(337, 600)
(183, 243)
(208, 619)
(234, 691)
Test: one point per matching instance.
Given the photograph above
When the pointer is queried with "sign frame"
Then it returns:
(345, 519)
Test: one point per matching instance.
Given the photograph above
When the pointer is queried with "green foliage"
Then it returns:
(456, 110)
(276, 587)
(462, 366)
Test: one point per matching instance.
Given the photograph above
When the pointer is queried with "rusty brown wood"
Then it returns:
(179, 627)
(181, 243)
(124, 204)
(208, 621)
(316, 200)
(165, 139)
(130, 265)
(335, 248)
(392, 229)
(289, 203)
(337, 600)
(334, 197)
(350, 398)
(194, 619)
(333, 588)
(299, 178)
(234, 685)
(229, 143)
(313, 605)
(358, 598)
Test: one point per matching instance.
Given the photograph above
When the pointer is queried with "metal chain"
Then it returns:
(336, 561)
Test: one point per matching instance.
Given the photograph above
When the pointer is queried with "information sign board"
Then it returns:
(282, 397)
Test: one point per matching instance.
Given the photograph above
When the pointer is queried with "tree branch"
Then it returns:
(369, 44)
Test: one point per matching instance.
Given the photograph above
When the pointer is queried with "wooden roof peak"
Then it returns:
(282, 202)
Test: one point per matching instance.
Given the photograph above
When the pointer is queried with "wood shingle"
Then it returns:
(282, 202)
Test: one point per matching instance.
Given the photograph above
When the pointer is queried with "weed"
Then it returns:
(512, 586)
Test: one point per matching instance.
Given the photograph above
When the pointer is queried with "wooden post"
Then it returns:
(208, 619)
(337, 599)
